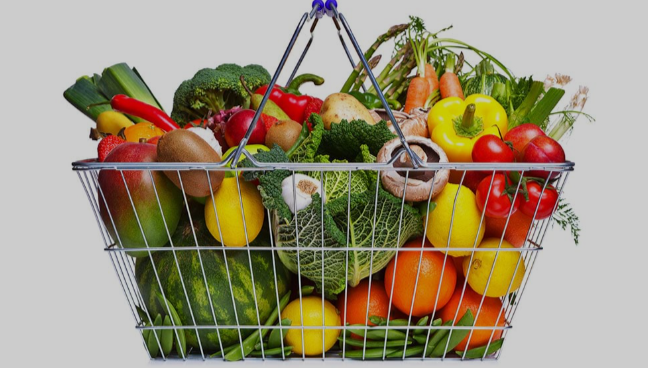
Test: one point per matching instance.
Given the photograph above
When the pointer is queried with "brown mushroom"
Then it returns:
(420, 182)
(414, 124)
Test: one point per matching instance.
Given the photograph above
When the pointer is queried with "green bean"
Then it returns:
(450, 341)
(369, 353)
(250, 342)
(273, 352)
(438, 335)
(480, 352)
(410, 352)
(154, 337)
(226, 349)
(181, 338)
(258, 346)
(377, 334)
(277, 335)
(167, 337)
(423, 331)
(307, 290)
(376, 344)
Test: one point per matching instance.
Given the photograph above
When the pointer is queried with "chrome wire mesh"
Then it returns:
(125, 266)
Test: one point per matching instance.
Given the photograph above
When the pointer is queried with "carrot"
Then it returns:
(449, 84)
(419, 88)
(417, 94)
(431, 76)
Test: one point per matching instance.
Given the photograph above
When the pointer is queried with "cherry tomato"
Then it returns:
(499, 203)
(491, 148)
(547, 201)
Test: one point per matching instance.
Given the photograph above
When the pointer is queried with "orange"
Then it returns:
(356, 305)
(402, 271)
(142, 130)
(490, 310)
(516, 231)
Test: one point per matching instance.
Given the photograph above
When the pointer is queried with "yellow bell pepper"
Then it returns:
(456, 124)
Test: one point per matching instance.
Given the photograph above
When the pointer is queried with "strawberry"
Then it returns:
(268, 121)
(154, 140)
(106, 145)
(313, 106)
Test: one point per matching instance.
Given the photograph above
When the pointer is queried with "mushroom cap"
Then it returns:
(417, 190)
(414, 124)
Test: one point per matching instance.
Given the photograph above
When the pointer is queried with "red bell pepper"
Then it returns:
(293, 104)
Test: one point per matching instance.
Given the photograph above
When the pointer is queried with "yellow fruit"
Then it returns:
(111, 122)
(465, 225)
(312, 307)
(141, 130)
(228, 208)
(508, 271)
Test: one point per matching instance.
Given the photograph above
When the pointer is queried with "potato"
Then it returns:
(342, 106)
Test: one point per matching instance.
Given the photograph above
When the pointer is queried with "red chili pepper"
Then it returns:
(291, 104)
(142, 110)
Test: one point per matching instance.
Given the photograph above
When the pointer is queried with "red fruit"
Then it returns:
(521, 135)
(518, 228)
(547, 201)
(268, 121)
(236, 127)
(473, 178)
(154, 140)
(491, 148)
(499, 203)
(313, 107)
(543, 149)
(106, 145)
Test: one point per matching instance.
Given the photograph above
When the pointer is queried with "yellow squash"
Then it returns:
(456, 124)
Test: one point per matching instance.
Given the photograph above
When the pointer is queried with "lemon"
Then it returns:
(504, 273)
(230, 217)
(312, 307)
(465, 224)
(112, 122)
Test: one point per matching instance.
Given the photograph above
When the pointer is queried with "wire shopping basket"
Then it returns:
(196, 293)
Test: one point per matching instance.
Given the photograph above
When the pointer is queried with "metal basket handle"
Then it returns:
(319, 9)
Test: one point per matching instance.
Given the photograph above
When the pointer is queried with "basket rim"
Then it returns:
(93, 164)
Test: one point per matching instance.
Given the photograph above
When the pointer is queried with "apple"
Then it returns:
(237, 125)
(543, 149)
(521, 135)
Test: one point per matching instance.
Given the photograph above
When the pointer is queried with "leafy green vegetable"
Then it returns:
(305, 148)
(343, 140)
(328, 228)
(336, 183)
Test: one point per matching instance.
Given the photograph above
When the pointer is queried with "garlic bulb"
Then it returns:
(297, 194)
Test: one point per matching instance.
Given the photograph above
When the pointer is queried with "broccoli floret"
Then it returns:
(215, 90)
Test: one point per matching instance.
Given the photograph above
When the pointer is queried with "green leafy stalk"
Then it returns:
(86, 97)
(541, 111)
(520, 114)
(391, 33)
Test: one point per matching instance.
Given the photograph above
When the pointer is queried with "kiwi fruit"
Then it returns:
(184, 146)
(284, 133)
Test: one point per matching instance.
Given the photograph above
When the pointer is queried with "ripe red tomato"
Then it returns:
(547, 201)
(499, 204)
(491, 148)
